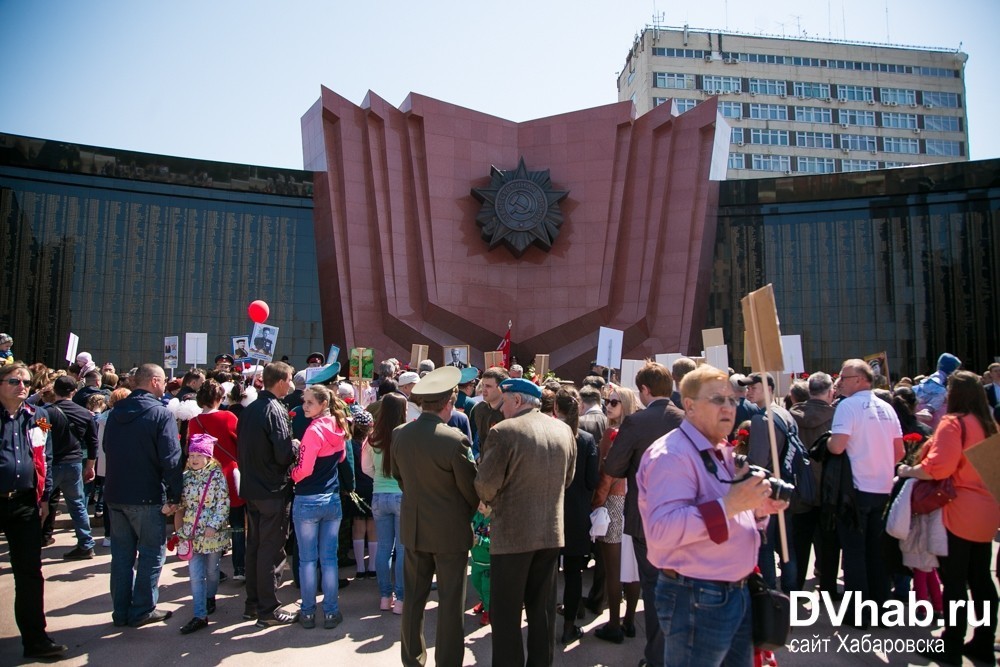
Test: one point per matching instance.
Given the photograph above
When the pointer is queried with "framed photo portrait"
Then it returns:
(262, 342)
(456, 355)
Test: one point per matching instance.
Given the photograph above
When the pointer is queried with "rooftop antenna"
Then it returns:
(887, 22)
(727, 14)
(843, 17)
(829, 19)
(782, 27)
(798, 23)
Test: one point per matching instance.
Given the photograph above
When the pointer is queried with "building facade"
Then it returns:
(905, 261)
(806, 106)
(124, 249)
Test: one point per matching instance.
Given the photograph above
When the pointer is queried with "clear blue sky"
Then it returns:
(226, 80)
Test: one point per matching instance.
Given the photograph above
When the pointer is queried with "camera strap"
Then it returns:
(709, 461)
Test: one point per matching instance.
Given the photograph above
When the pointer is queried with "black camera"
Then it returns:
(780, 489)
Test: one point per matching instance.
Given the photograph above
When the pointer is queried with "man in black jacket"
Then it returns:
(638, 431)
(142, 487)
(266, 452)
(74, 453)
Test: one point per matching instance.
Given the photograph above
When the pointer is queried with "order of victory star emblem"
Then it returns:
(519, 209)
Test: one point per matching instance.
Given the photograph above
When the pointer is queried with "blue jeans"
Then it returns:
(703, 622)
(317, 526)
(203, 570)
(138, 529)
(69, 478)
(386, 510)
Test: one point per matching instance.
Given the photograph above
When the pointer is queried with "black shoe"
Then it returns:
(608, 634)
(154, 616)
(629, 629)
(277, 617)
(194, 625)
(210, 605)
(249, 612)
(47, 649)
(343, 583)
(79, 554)
(571, 635)
(223, 576)
(48, 540)
(594, 609)
(330, 621)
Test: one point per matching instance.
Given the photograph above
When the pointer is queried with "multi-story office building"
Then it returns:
(797, 105)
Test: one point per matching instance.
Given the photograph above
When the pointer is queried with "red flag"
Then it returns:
(504, 346)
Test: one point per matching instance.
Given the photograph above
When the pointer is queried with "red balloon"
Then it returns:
(258, 311)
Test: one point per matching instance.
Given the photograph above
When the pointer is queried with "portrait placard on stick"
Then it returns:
(718, 356)
(362, 364)
(71, 345)
(541, 365)
(170, 358)
(791, 354)
(241, 347)
(629, 369)
(493, 359)
(262, 342)
(880, 369)
(417, 354)
(712, 338)
(763, 335)
(609, 347)
(196, 348)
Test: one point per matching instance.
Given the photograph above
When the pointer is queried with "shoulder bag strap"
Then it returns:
(218, 443)
(201, 504)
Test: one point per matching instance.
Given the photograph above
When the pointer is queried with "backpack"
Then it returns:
(796, 468)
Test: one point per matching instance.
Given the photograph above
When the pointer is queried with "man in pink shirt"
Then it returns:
(701, 515)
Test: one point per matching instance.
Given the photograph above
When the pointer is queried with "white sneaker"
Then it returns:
(397, 607)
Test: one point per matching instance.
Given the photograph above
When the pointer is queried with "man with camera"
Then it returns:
(701, 514)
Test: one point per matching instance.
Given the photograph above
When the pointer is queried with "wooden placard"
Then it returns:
(541, 365)
(417, 354)
(712, 338)
(985, 458)
(494, 359)
(880, 367)
(763, 333)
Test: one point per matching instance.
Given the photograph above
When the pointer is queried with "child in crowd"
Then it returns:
(203, 518)
(6, 355)
(481, 561)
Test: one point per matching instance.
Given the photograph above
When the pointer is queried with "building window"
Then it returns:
(819, 91)
(901, 145)
(736, 161)
(855, 117)
(857, 142)
(814, 139)
(768, 86)
(771, 162)
(769, 137)
(816, 165)
(903, 121)
(657, 101)
(725, 84)
(856, 93)
(858, 165)
(769, 111)
(932, 99)
(737, 136)
(813, 115)
(731, 109)
(890, 165)
(943, 147)
(685, 104)
(893, 96)
(942, 123)
(670, 80)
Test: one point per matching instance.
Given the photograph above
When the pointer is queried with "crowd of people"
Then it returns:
(431, 474)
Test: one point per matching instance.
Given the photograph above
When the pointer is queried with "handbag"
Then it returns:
(771, 614)
(185, 548)
(933, 494)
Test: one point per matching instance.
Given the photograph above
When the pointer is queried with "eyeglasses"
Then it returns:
(848, 377)
(18, 382)
(613, 402)
(720, 401)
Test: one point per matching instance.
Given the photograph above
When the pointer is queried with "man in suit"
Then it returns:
(993, 388)
(527, 463)
(637, 432)
(433, 464)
